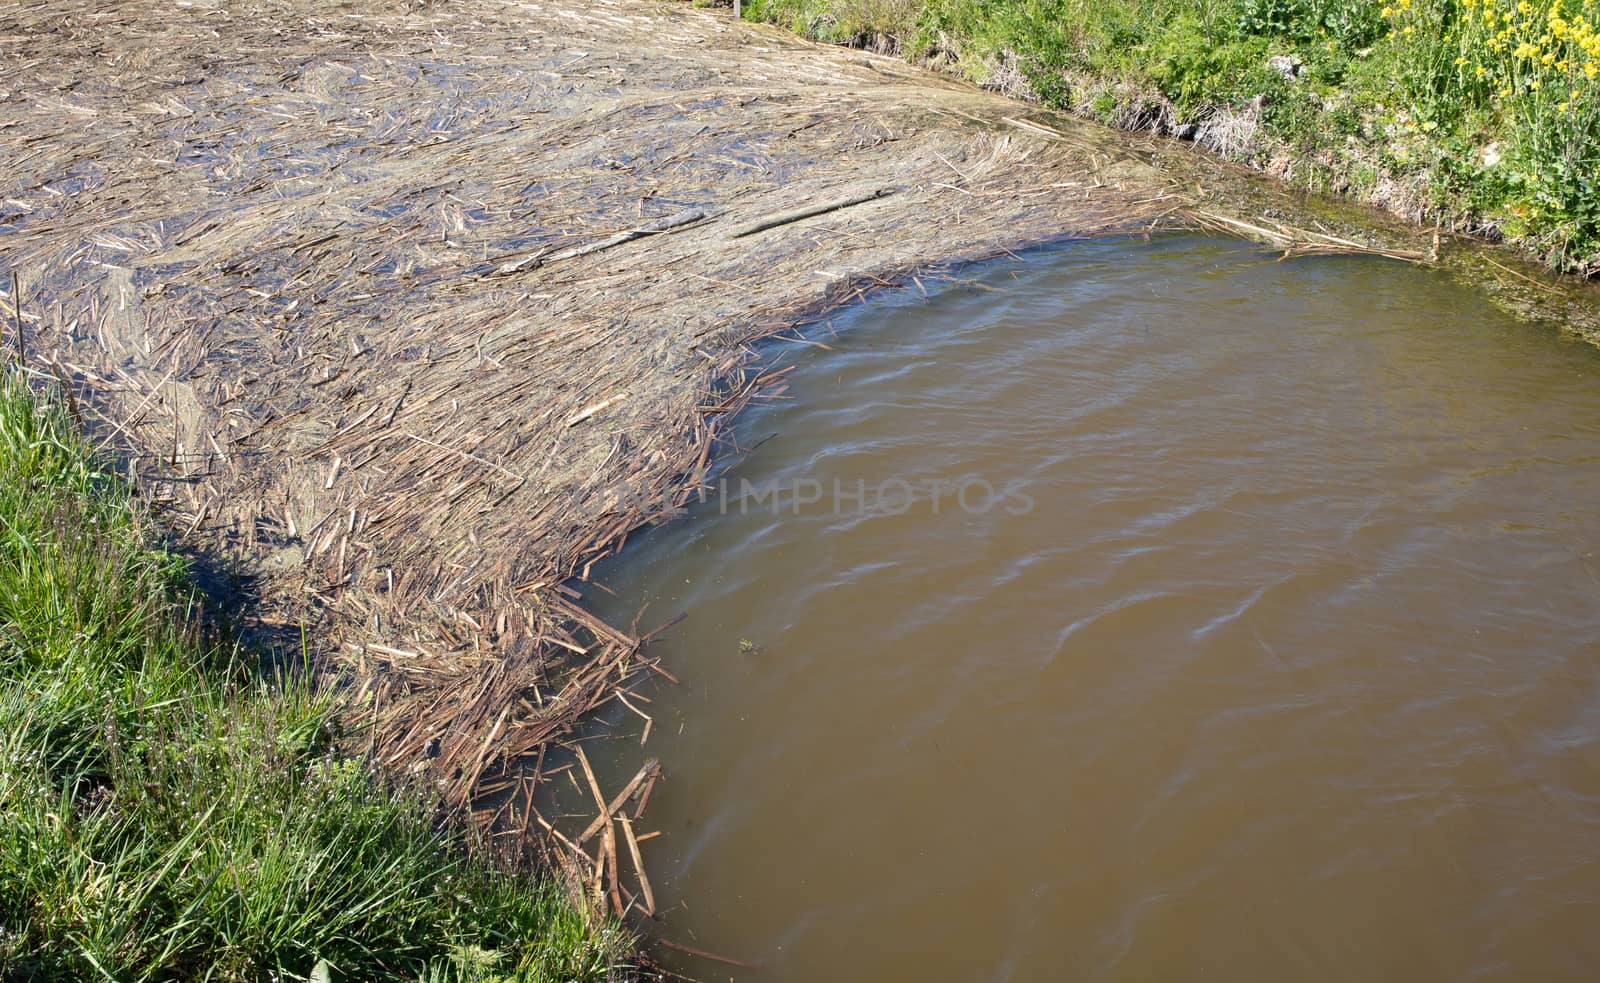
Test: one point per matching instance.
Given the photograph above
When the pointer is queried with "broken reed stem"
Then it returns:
(688, 216)
(644, 794)
(638, 866)
(594, 784)
(597, 880)
(606, 878)
(786, 218)
(591, 410)
(651, 768)
(610, 843)
(703, 954)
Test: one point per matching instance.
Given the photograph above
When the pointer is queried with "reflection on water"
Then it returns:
(1263, 646)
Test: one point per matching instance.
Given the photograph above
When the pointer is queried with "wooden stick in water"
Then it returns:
(729, 960)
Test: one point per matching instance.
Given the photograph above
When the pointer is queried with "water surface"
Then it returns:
(1262, 645)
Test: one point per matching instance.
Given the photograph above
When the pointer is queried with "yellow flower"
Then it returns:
(1429, 126)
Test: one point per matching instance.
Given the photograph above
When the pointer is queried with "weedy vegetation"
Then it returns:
(1481, 114)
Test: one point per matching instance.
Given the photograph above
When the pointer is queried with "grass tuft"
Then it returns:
(167, 814)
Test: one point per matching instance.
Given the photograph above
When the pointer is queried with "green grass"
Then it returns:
(166, 813)
(1483, 112)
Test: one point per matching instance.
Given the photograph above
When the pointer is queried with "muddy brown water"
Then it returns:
(1261, 646)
